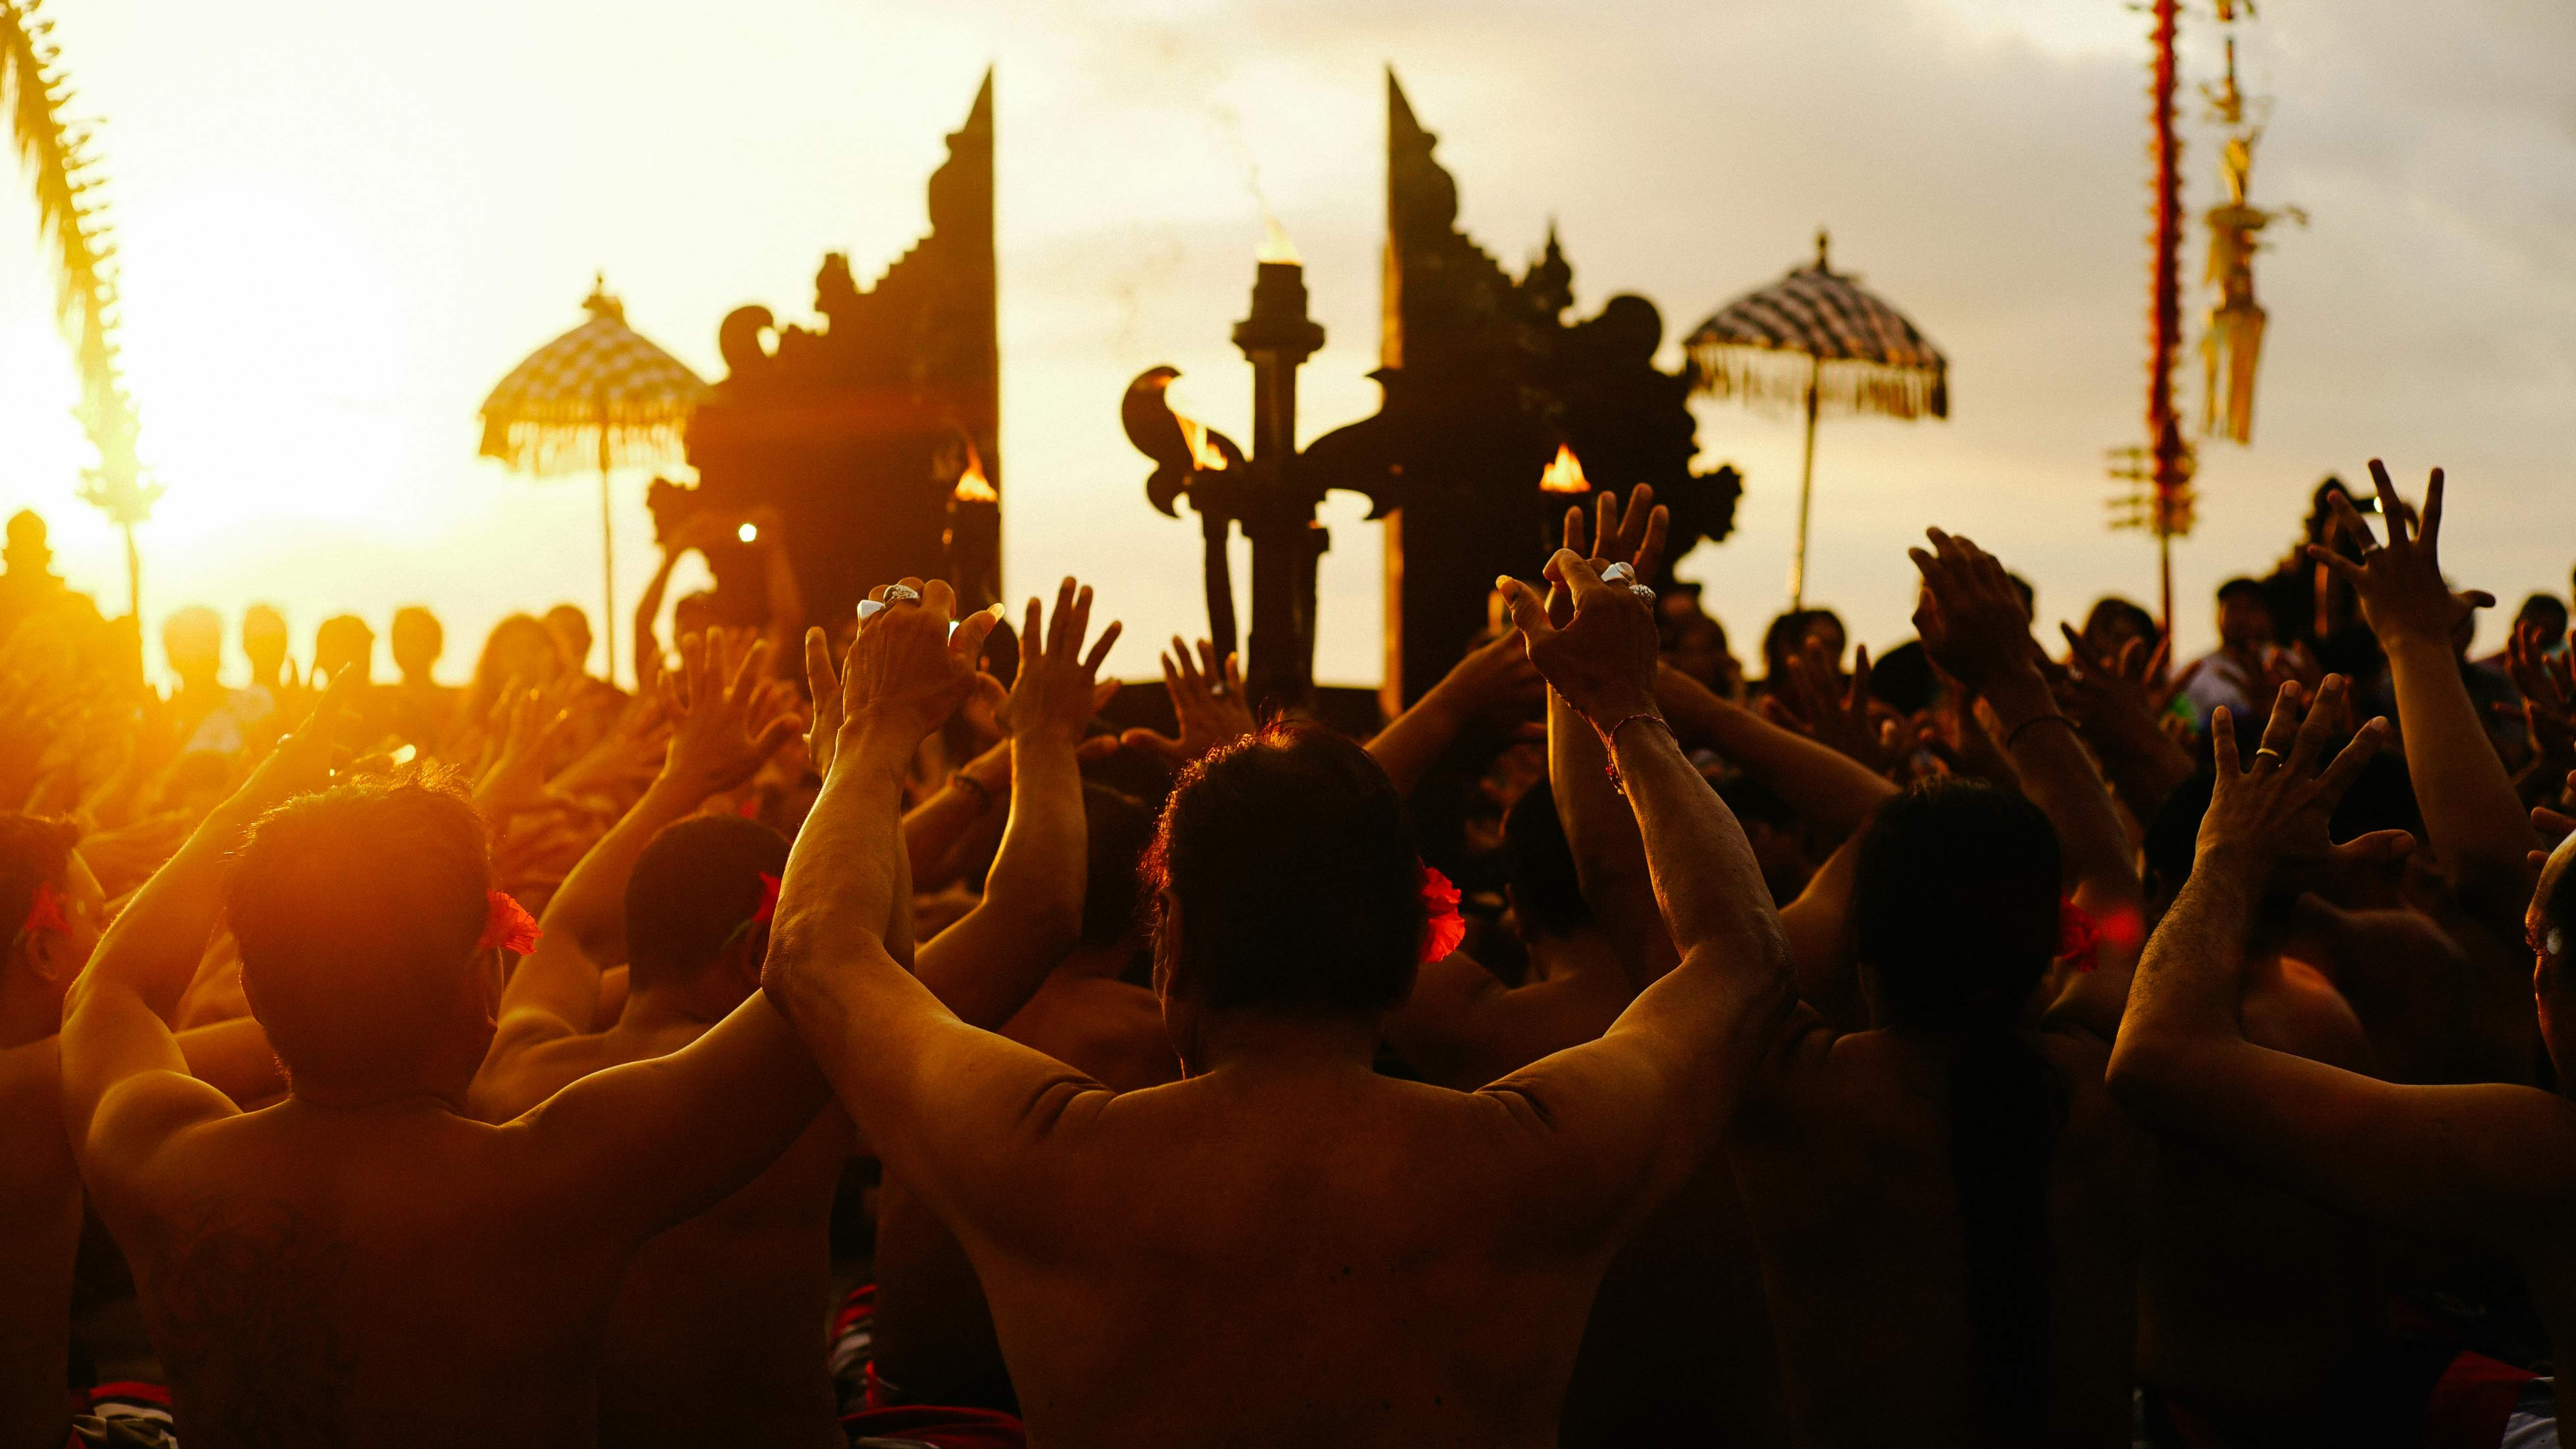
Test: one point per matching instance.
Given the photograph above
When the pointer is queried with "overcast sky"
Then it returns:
(342, 223)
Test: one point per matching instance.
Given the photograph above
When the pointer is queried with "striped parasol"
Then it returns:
(1817, 341)
(603, 396)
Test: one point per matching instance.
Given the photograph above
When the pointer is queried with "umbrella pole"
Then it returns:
(1806, 493)
(133, 581)
(607, 560)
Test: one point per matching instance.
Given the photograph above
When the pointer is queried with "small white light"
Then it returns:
(747, 533)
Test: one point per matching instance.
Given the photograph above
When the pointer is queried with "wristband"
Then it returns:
(1610, 747)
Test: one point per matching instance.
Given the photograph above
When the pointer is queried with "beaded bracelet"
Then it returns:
(1610, 747)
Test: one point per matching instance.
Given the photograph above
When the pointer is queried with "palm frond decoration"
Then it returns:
(72, 219)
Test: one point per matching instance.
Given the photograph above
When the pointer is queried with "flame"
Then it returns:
(1564, 474)
(1203, 452)
(972, 485)
(1276, 247)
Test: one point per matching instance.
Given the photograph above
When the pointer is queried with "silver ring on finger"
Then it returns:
(1643, 593)
(902, 594)
(1619, 573)
(2276, 756)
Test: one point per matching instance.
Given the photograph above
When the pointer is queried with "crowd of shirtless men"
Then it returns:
(2101, 1081)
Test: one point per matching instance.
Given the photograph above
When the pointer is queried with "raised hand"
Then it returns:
(2548, 685)
(1843, 717)
(1602, 660)
(2107, 695)
(534, 721)
(302, 761)
(1207, 700)
(1633, 536)
(909, 669)
(726, 722)
(1057, 686)
(2271, 811)
(2403, 594)
(1970, 618)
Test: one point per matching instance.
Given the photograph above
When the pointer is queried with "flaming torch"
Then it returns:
(1560, 484)
(973, 536)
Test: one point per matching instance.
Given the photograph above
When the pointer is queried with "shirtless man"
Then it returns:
(363, 1264)
(716, 1337)
(2483, 1164)
(48, 889)
(1284, 1248)
(1947, 1201)
(932, 1334)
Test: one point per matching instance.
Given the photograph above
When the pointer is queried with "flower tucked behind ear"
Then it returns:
(768, 899)
(45, 913)
(1442, 930)
(508, 925)
(2078, 940)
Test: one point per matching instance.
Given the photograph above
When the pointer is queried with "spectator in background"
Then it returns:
(2233, 673)
(423, 708)
(2115, 621)
(2543, 613)
(344, 642)
(1696, 644)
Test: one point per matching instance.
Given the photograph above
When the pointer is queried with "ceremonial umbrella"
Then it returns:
(600, 395)
(1816, 340)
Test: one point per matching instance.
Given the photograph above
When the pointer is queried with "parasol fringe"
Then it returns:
(1775, 380)
(554, 447)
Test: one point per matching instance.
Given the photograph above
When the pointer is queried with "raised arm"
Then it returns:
(944, 1104)
(2472, 813)
(1972, 625)
(2490, 1163)
(987, 965)
(1600, 828)
(721, 737)
(1490, 675)
(1649, 1098)
(127, 1088)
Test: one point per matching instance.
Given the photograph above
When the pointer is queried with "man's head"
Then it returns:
(2244, 618)
(193, 640)
(1286, 882)
(2113, 622)
(571, 628)
(418, 640)
(2546, 613)
(1954, 905)
(264, 641)
(1547, 896)
(358, 911)
(27, 552)
(691, 900)
(344, 642)
(519, 650)
(49, 946)
(1117, 829)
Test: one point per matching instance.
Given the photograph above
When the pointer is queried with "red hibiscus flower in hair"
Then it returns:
(1442, 929)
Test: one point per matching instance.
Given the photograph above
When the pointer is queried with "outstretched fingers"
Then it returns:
(1527, 608)
(2391, 507)
(2325, 716)
(2354, 758)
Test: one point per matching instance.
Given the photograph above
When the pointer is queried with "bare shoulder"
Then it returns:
(517, 1079)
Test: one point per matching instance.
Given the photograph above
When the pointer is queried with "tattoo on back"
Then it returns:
(245, 1300)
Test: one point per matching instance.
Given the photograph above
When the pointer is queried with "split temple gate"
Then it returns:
(876, 435)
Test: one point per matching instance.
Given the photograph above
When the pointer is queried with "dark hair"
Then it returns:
(2023, 591)
(34, 851)
(2111, 607)
(1547, 895)
(2546, 606)
(1299, 891)
(1117, 829)
(2242, 587)
(1955, 907)
(692, 889)
(1787, 635)
(357, 911)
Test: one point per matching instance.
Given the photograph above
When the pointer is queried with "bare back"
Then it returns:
(392, 1277)
(1298, 1257)
(1844, 1160)
(716, 1336)
(40, 1227)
